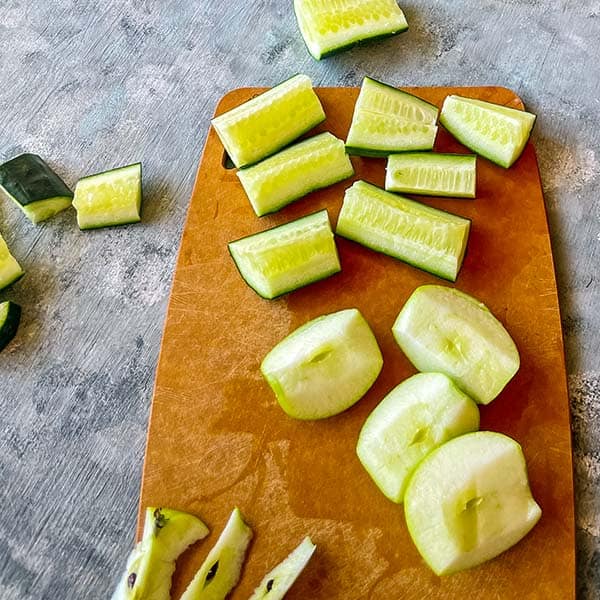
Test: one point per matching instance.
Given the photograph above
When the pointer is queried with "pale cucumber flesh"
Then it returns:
(222, 568)
(287, 257)
(432, 174)
(417, 416)
(424, 237)
(445, 330)
(387, 120)
(325, 366)
(110, 198)
(277, 582)
(265, 124)
(310, 165)
(469, 501)
(10, 270)
(496, 132)
(328, 27)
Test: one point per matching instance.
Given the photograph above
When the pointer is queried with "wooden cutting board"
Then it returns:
(218, 439)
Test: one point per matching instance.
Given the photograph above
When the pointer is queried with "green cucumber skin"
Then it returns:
(135, 164)
(300, 196)
(395, 89)
(350, 45)
(8, 329)
(15, 170)
(402, 260)
(369, 153)
(484, 154)
(120, 224)
(285, 145)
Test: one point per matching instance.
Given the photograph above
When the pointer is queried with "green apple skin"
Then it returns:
(444, 330)
(325, 366)
(222, 568)
(150, 566)
(277, 582)
(416, 417)
(469, 501)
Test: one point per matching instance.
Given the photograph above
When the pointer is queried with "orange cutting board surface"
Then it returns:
(218, 439)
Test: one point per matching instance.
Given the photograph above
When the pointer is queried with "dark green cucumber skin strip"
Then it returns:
(363, 42)
(285, 145)
(395, 89)
(28, 179)
(8, 329)
(402, 260)
(300, 196)
(483, 154)
(368, 153)
(120, 224)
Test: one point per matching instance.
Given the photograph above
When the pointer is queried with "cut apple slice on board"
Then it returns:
(150, 567)
(417, 416)
(222, 568)
(325, 366)
(469, 501)
(277, 582)
(442, 329)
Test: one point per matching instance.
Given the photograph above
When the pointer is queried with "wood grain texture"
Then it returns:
(92, 85)
(217, 437)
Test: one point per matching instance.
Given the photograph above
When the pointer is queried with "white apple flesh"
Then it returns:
(469, 501)
(325, 366)
(417, 416)
(444, 330)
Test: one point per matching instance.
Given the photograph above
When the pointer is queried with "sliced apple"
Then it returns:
(444, 330)
(325, 366)
(222, 568)
(417, 416)
(150, 566)
(277, 582)
(469, 501)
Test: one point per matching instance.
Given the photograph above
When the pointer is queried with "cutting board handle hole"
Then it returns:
(227, 162)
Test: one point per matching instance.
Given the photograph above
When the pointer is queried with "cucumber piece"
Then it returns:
(10, 317)
(469, 501)
(387, 120)
(222, 568)
(109, 198)
(269, 122)
(416, 417)
(310, 165)
(276, 584)
(325, 366)
(432, 174)
(329, 27)
(10, 270)
(445, 330)
(150, 567)
(496, 132)
(36, 189)
(287, 257)
(425, 237)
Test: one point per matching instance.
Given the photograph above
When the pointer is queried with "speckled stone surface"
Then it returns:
(94, 85)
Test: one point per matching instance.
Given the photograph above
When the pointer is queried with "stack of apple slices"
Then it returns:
(465, 492)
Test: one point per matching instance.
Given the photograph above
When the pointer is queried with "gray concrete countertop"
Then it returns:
(93, 85)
